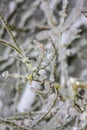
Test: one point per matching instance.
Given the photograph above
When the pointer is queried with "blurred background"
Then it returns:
(28, 21)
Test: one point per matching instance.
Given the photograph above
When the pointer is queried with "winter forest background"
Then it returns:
(43, 64)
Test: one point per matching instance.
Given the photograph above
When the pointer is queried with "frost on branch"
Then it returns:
(43, 67)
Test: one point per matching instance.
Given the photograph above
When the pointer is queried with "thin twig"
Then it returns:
(46, 113)
(40, 59)
(13, 124)
(53, 56)
(9, 31)
(55, 59)
(11, 46)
